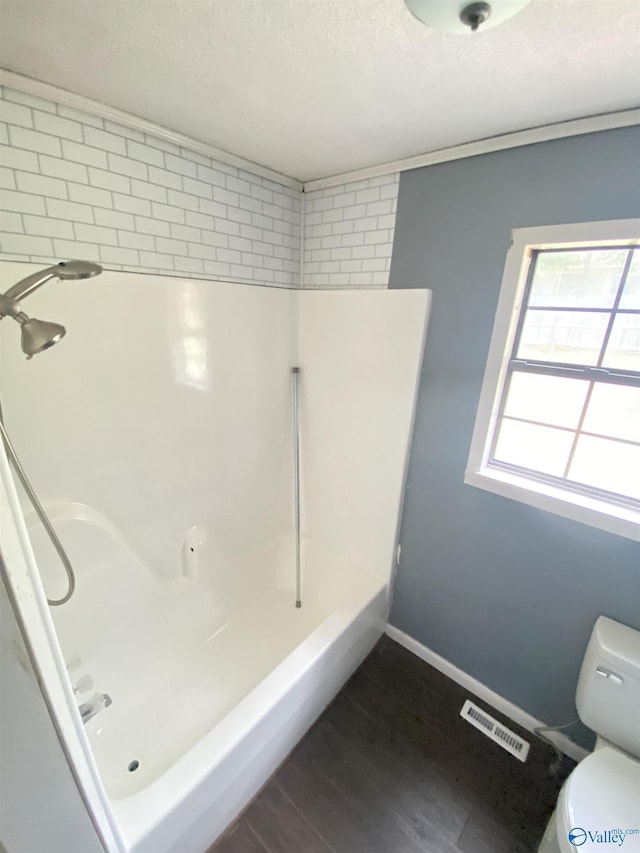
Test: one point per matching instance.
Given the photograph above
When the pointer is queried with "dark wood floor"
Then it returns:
(391, 767)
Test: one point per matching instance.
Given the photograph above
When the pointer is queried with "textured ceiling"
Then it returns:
(316, 87)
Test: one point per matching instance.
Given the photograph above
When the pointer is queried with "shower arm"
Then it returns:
(67, 270)
(10, 308)
(32, 282)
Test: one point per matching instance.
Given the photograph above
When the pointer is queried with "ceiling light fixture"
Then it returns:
(463, 17)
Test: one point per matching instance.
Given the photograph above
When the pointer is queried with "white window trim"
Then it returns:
(624, 521)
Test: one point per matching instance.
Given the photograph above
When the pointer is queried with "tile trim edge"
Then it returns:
(529, 136)
(39, 89)
(516, 139)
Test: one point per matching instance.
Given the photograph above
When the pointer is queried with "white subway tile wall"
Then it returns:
(75, 185)
(349, 233)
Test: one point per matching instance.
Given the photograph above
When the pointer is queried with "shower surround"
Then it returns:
(166, 464)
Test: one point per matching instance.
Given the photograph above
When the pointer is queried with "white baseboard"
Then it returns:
(504, 706)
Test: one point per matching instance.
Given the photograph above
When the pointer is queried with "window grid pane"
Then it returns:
(610, 465)
(623, 348)
(631, 293)
(537, 431)
(578, 279)
(614, 412)
(539, 398)
(570, 337)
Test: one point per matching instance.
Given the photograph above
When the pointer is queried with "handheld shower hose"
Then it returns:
(37, 336)
(42, 515)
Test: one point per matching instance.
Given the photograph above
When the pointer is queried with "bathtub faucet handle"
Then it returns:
(90, 708)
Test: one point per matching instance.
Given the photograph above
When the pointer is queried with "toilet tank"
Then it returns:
(608, 693)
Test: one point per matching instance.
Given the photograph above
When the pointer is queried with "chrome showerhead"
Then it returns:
(66, 270)
(70, 270)
(39, 335)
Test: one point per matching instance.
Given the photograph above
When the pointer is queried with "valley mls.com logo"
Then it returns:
(579, 836)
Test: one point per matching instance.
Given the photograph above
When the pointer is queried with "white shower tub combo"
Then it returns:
(204, 704)
(181, 529)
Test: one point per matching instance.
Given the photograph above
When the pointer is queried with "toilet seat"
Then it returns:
(602, 793)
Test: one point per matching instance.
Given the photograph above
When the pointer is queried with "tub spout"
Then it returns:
(92, 706)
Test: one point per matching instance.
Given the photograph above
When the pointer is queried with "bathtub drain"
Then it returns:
(134, 766)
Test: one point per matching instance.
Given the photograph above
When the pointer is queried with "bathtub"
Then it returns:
(178, 457)
(217, 687)
(187, 807)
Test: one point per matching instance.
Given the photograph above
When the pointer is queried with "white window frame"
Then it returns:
(592, 510)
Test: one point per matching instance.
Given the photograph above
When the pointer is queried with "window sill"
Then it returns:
(620, 520)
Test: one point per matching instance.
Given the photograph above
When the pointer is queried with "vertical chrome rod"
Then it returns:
(296, 457)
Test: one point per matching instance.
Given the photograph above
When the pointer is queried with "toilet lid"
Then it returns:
(601, 795)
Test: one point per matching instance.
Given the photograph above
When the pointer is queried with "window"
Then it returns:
(558, 423)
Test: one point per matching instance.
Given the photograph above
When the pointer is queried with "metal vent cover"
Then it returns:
(494, 730)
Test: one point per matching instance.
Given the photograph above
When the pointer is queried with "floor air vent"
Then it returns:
(496, 731)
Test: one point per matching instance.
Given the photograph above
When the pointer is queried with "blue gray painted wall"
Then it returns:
(504, 591)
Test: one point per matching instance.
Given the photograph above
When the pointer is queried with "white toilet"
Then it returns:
(602, 795)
